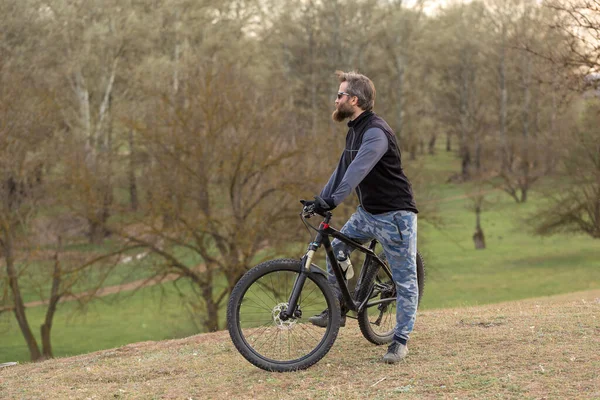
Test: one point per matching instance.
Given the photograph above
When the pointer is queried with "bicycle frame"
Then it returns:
(324, 233)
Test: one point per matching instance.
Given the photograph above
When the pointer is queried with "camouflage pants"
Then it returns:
(397, 233)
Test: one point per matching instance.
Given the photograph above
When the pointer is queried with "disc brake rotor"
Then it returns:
(281, 324)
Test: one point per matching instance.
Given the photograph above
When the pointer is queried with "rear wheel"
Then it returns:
(377, 322)
(260, 332)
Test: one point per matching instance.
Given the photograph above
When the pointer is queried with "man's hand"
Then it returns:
(319, 205)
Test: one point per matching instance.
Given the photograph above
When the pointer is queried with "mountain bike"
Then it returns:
(269, 307)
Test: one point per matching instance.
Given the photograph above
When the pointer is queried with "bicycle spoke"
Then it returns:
(264, 305)
(308, 330)
(267, 338)
(378, 320)
(308, 296)
(264, 327)
(302, 344)
(293, 339)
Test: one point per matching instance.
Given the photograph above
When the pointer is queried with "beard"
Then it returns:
(342, 112)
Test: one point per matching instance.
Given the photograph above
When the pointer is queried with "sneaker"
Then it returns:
(396, 352)
(322, 319)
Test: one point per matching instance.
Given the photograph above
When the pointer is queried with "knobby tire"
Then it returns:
(262, 291)
(367, 323)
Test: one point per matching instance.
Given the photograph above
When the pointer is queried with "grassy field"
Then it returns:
(153, 313)
(544, 348)
(515, 265)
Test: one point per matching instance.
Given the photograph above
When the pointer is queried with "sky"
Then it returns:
(430, 6)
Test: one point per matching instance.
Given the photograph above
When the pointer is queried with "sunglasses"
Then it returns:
(340, 94)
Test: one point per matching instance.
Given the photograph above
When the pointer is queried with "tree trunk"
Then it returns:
(478, 154)
(448, 142)
(465, 152)
(54, 299)
(413, 148)
(431, 144)
(526, 115)
(19, 306)
(108, 188)
(479, 239)
(503, 105)
(97, 140)
(400, 62)
(478, 236)
(96, 232)
(211, 323)
(524, 192)
(98, 229)
(465, 155)
(83, 96)
(549, 160)
(314, 109)
(133, 191)
(170, 208)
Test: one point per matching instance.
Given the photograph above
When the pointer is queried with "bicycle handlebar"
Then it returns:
(309, 210)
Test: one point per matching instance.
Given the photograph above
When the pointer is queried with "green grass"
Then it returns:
(41, 272)
(153, 313)
(515, 265)
(111, 273)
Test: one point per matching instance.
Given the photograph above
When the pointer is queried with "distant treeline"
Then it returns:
(193, 127)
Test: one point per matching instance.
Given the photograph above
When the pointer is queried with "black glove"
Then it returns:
(319, 205)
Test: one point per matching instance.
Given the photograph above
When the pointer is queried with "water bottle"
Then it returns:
(346, 264)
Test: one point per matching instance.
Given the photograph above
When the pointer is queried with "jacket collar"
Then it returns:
(362, 117)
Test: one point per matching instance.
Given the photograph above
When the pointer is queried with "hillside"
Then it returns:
(539, 348)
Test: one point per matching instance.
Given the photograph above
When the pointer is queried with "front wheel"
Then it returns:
(377, 322)
(257, 326)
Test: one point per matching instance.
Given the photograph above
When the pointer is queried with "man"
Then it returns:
(371, 165)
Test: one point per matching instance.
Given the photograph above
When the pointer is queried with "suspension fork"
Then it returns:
(305, 270)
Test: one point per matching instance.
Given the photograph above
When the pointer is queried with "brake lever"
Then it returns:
(307, 211)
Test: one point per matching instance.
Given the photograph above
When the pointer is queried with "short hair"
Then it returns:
(360, 86)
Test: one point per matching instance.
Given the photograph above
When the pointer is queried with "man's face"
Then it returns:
(344, 107)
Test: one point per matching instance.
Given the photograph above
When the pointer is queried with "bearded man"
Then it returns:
(371, 165)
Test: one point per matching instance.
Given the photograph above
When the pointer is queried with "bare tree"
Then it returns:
(462, 105)
(579, 21)
(36, 145)
(399, 34)
(25, 125)
(521, 133)
(92, 37)
(574, 206)
(224, 156)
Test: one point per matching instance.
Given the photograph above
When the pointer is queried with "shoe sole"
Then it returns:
(394, 361)
(388, 361)
(320, 325)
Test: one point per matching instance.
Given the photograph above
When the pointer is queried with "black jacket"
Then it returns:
(386, 188)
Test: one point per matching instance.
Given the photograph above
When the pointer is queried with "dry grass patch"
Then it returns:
(537, 349)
